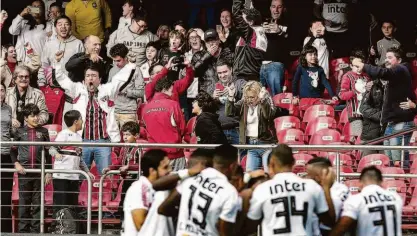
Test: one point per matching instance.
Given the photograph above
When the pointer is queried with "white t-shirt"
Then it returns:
(156, 224)
(205, 199)
(335, 11)
(286, 205)
(252, 122)
(376, 210)
(138, 196)
(322, 53)
(67, 162)
(339, 193)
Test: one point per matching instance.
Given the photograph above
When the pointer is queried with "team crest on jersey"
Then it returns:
(56, 92)
(94, 5)
(39, 134)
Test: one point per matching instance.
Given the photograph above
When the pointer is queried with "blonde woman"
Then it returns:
(256, 112)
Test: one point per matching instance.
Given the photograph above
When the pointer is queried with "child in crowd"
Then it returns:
(316, 39)
(151, 50)
(352, 90)
(127, 14)
(311, 77)
(175, 49)
(66, 186)
(30, 157)
(388, 29)
(128, 159)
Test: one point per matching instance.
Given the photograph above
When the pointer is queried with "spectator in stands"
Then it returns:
(54, 12)
(29, 27)
(309, 79)
(205, 61)
(165, 122)
(77, 64)
(151, 50)
(180, 27)
(128, 160)
(163, 35)
(389, 41)
(230, 124)
(227, 32)
(352, 90)
(20, 95)
(371, 110)
(316, 39)
(8, 64)
(95, 102)
(194, 42)
(30, 157)
(127, 14)
(67, 186)
(208, 129)
(3, 18)
(6, 162)
(126, 103)
(175, 49)
(256, 112)
(159, 72)
(398, 111)
(87, 18)
(248, 55)
(135, 37)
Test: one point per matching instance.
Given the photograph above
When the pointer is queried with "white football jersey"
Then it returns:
(376, 210)
(156, 224)
(286, 204)
(138, 196)
(205, 199)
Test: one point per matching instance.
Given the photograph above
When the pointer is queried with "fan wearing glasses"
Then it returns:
(21, 94)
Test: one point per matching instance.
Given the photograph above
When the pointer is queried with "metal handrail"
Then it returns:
(42, 211)
(386, 137)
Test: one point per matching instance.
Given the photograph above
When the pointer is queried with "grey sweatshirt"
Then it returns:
(126, 101)
(6, 126)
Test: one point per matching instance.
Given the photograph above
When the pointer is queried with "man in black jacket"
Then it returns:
(398, 110)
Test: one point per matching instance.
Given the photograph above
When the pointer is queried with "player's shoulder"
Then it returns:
(339, 187)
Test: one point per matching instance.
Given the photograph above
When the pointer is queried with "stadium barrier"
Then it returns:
(324, 148)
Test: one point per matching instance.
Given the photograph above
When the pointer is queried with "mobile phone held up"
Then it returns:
(34, 10)
(219, 86)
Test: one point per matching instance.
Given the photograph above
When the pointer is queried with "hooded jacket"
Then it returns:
(371, 109)
(70, 47)
(209, 130)
(398, 89)
(164, 123)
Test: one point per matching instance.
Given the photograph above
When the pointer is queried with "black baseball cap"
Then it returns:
(211, 34)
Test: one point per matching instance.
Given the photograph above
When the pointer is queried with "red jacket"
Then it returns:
(180, 86)
(349, 93)
(164, 122)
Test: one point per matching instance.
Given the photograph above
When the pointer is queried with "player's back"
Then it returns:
(205, 199)
(287, 203)
(376, 210)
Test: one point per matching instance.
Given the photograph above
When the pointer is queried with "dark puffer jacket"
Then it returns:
(208, 129)
(371, 109)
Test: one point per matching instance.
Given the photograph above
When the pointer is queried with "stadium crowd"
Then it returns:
(231, 83)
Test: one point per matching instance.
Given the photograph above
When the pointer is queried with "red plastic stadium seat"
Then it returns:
(411, 208)
(392, 170)
(243, 163)
(320, 123)
(49, 194)
(107, 190)
(113, 205)
(284, 100)
(354, 185)
(287, 122)
(317, 111)
(378, 160)
(345, 160)
(190, 129)
(300, 163)
(53, 131)
(343, 119)
(398, 186)
(413, 139)
(290, 136)
(325, 137)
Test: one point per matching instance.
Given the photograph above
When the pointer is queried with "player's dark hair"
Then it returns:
(152, 159)
(204, 155)
(372, 173)
(131, 127)
(225, 155)
(389, 21)
(307, 49)
(62, 17)
(93, 67)
(321, 162)
(357, 54)
(180, 23)
(140, 16)
(398, 52)
(71, 116)
(119, 50)
(154, 44)
(206, 102)
(30, 109)
(163, 84)
(222, 62)
(283, 154)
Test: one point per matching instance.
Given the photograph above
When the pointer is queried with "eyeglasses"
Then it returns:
(194, 37)
(22, 77)
(143, 26)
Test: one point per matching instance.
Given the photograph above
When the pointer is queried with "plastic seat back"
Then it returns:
(301, 160)
(287, 122)
(290, 135)
(316, 111)
(325, 137)
(379, 160)
(320, 123)
(284, 100)
(354, 185)
(343, 119)
(189, 131)
(53, 131)
(345, 160)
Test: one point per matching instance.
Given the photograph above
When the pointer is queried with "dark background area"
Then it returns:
(300, 12)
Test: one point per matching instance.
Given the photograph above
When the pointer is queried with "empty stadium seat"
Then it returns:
(53, 131)
(320, 123)
(392, 170)
(113, 205)
(301, 160)
(411, 208)
(354, 186)
(398, 186)
(345, 160)
(317, 111)
(284, 100)
(325, 137)
(291, 136)
(107, 190)
(378, 160)
(189, 131)
(287, 122)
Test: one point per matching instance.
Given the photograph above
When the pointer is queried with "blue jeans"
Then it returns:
(232, 135)
(272, 76)
(395, 155)
(257, 158)
(100, 155)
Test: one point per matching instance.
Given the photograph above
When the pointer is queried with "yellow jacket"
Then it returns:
(87, 18)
